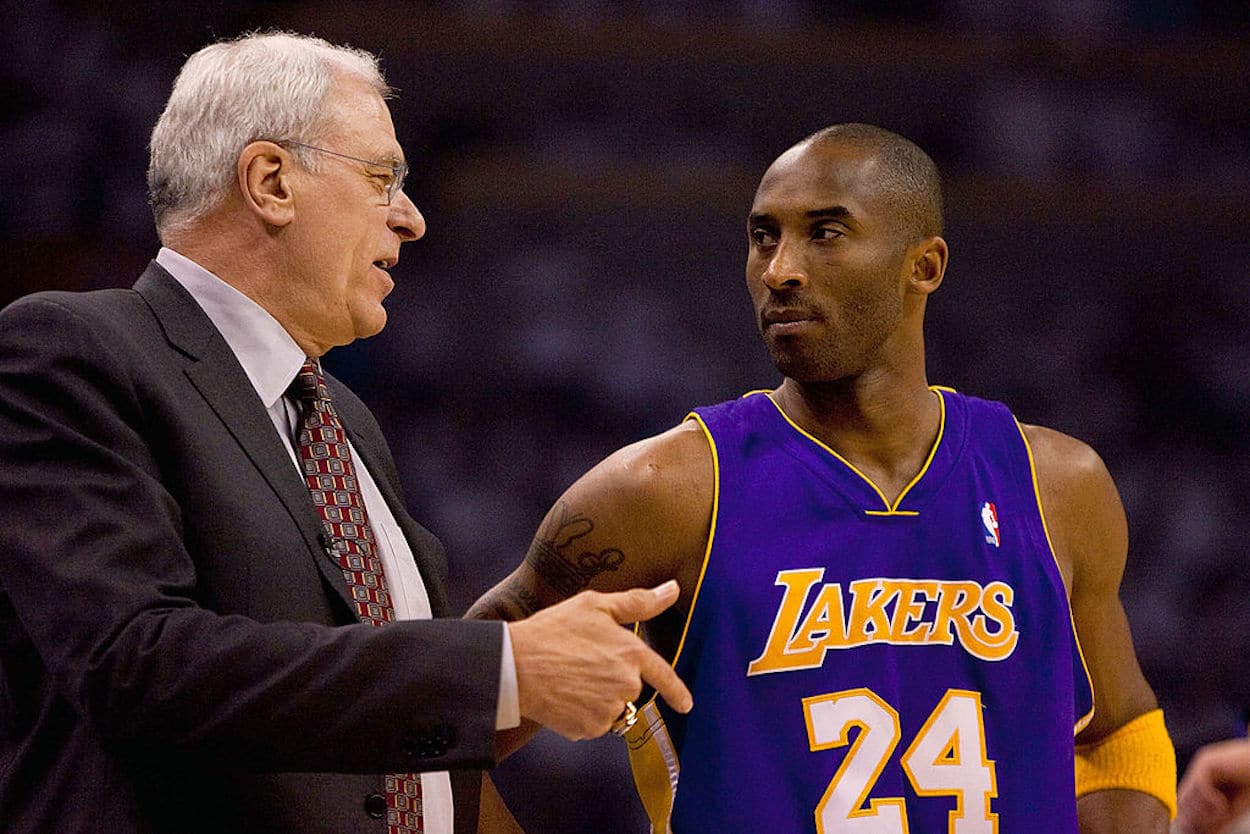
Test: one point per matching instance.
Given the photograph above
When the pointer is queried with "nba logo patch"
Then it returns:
(989, 519)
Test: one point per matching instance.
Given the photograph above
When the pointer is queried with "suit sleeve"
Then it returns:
(96, 571)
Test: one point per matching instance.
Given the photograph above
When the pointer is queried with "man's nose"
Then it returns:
(787, 268)
(405, 219)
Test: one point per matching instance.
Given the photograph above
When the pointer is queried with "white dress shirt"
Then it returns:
(271, 359)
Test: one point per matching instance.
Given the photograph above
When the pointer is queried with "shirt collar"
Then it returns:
(268, 354)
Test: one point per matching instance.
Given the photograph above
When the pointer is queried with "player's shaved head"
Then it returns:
(905, 176)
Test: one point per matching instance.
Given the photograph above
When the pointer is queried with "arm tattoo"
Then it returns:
(560, 561)
(517, 603)
(512, 602)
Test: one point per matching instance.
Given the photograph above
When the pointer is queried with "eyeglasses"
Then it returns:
(399, 170)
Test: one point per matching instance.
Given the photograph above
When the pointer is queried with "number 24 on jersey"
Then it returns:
(946, 758)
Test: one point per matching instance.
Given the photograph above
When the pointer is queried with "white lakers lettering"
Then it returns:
(881, 610)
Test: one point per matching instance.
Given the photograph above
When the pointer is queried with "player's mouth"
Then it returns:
(787, 321)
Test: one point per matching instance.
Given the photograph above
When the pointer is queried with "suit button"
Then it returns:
(446, 736)
(429, 742)
(375, 805)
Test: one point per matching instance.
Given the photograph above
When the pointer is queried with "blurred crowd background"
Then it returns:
(585, 169)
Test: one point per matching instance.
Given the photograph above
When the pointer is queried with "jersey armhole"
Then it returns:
(1082, 720)
(707, 550)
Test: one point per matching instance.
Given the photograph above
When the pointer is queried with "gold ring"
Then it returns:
(629, 717)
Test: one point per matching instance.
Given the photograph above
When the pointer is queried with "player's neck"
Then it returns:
(884, 427)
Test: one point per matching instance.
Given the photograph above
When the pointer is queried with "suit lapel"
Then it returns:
(221, 381)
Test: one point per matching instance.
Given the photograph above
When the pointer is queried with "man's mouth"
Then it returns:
(787, 320)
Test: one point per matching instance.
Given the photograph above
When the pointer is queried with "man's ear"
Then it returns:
(265, 173)
(928, 264)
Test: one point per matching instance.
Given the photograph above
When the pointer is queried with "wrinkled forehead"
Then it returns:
(820, 175)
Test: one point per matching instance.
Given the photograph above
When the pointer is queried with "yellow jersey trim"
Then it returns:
(1037, 494)
(711, 532)
(653, 759)
(891, 510)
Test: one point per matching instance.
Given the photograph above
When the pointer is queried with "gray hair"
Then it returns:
(271, 85)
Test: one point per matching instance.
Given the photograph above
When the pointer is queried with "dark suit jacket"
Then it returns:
(177, 649)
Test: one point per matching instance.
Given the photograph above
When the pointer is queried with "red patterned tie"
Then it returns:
(326, 461)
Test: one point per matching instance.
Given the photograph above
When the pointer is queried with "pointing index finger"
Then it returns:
(657, 672)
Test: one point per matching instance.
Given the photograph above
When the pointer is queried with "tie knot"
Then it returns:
(309, 385)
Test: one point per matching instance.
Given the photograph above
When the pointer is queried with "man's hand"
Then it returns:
(1215, 790)
(576, 666)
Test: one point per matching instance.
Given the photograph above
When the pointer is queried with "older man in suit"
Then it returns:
(215, 612)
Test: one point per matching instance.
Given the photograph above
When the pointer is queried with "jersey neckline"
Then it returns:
(859, 489)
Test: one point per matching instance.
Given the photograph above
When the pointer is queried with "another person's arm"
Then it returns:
(1126, 767)
(99, 495)
(1215, 792)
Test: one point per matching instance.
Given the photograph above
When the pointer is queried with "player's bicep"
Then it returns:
(590, 539)
(635, 520)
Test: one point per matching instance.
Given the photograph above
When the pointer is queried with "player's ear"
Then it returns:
(265, 173)
(928, 264)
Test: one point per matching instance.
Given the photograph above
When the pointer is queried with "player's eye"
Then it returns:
(827, 233)
(761, 236)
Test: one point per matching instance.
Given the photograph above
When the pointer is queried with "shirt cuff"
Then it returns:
(508, 711)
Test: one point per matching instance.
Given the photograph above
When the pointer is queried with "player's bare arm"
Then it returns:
(1089, 534)
(637, 519)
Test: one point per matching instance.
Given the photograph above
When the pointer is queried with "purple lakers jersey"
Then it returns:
(865, 665)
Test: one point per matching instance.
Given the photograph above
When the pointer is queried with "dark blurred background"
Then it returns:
(585, 169)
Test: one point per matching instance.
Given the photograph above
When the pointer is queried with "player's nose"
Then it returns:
(787, 268)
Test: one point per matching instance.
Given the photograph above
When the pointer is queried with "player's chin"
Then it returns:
(793, 363)
(802, 366)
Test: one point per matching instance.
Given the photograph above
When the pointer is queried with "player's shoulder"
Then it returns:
(675, 462)
(1064, 462)
(653, 498)
(1083, 510)
(660, 487)
(673, 446)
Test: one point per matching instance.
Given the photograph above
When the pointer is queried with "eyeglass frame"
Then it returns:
(399, 170)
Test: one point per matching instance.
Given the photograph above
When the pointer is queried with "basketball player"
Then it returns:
(883, 581)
